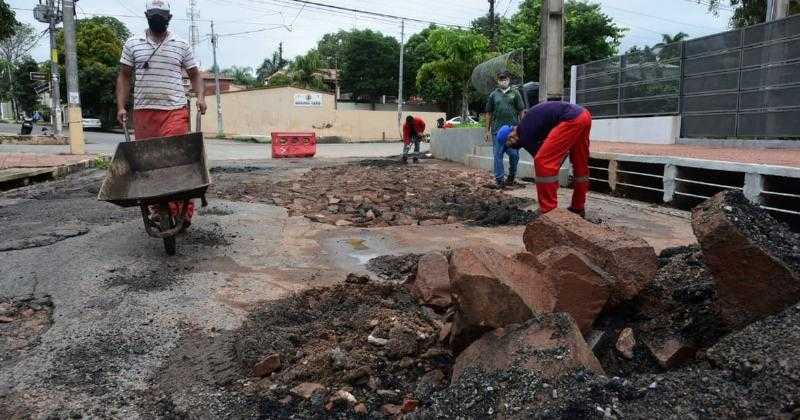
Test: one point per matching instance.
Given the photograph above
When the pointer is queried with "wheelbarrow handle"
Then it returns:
(199, 121)
(127, 132)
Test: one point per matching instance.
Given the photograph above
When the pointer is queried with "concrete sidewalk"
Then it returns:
(775, 157)
(18, 169)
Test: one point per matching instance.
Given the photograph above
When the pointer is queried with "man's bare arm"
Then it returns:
(123, 92)
(199, 87)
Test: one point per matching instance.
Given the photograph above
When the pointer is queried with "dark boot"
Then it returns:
(511, 181)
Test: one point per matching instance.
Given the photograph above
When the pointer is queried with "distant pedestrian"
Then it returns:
(504, 107)
(440, 123)
(413, 132)
(550, 131)
(37, 116)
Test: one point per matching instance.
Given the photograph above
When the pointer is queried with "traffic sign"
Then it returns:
(41, 88)
(37, 76)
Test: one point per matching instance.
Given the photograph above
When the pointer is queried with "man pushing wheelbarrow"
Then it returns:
(166, 167)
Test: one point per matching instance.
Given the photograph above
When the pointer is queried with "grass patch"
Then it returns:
(103, 162)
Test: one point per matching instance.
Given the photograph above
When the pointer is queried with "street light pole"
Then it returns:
(777, 9)
(551, 67)
(55, 90)
(214, 41)
(76, 141)
(492, 27)
(400, 88)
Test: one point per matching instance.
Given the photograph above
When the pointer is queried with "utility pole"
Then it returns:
(777, 9)
(492, 27)
(55, 88)
(551, 68)
(76, 142)
(214, 42)
(194, 29)
(400, 88)
(280, 56)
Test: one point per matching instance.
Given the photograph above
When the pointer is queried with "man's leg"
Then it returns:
(549, 159)
(416, 149)
(147, 123)
(499, 168)
(579, 156)
(513, 164)
(177, 123)
(406, 148)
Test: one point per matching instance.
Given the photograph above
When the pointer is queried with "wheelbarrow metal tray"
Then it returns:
(158, 170)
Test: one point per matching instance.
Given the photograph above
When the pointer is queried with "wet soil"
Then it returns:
(396, 268)
(163, 277)
(764, 230)
(379, 193)
(22, 321)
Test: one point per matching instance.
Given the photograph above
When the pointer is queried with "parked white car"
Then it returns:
(457, 120)
(92, 123)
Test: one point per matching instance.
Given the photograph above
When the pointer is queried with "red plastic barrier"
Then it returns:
(294, 145)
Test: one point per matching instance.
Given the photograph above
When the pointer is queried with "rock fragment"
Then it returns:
(267, 365)
(306, 390)
(432, 285)
(626, 343)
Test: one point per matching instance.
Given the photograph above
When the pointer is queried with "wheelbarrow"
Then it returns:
(153, 173)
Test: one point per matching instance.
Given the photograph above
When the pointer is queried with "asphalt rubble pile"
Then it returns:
(381, 193)
(587, 323)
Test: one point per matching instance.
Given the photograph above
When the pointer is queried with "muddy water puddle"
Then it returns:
(352, 250)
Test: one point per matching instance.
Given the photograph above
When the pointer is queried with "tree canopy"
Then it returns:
(243, 76)
(8, 20)
(24, 93)
(369, 64)
(747, 12)
(460, 51)
(99, 46)
(270, 66)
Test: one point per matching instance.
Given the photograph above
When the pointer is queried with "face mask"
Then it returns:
(504, 84)
(158, 24)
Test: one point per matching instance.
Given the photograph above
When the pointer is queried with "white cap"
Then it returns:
(157, 5)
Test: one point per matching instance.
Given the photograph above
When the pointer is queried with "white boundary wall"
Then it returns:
(644, 130)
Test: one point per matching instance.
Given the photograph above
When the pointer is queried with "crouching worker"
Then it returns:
(549, 132)
(413, 130)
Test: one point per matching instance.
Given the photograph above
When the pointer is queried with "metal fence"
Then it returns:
(743, 83)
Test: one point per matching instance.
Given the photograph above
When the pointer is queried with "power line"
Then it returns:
(366, 12)
(659, 17)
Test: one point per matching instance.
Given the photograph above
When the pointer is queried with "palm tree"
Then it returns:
(662, 48)
(304, 71)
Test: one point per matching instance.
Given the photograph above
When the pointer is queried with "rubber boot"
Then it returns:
(511, 180)
(548, 196)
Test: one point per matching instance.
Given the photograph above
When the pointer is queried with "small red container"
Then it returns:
(294, 145)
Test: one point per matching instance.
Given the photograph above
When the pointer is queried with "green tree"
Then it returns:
(461, 51)
(589, 34)
(369, 64)
(8, 20)
(269, 67)
(242, 76)
(25, 96)
(331, 47)
(418, 52)
(747, 12)
(13, 50)
(98, 46)
(304, 71)
(120, 30)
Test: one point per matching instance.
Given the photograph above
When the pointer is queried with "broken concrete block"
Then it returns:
(549, 344)
(670, 352)
(432, 285)
(747, 252)
(306, 390)
(580, 288)
(492, 290)
(267, 365)
(626, 342)
(630, 261)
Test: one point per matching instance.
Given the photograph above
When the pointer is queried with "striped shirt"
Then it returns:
(158, 70)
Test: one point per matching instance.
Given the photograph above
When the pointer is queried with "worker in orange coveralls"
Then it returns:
(550, 132)
(413, 131)
(160, 105)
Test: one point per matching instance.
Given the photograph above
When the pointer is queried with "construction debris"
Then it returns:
(432, 283)
(433, 193)
(630, 262)
(755, 259)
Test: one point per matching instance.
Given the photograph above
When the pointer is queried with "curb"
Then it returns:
(20, 177)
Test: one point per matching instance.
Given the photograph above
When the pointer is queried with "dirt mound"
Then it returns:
(380, 193)
(397, 268)
(758, 225)
(372, 341)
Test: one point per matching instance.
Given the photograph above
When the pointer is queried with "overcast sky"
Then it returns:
(300, 27)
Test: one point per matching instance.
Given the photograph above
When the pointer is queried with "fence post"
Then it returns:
(738, 113)
(573, 84)
(619, 85)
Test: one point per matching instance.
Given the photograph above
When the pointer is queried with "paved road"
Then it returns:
(102, 143)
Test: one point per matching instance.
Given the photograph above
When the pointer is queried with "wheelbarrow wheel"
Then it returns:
(168, 223)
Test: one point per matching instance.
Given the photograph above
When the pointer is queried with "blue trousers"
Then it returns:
(513, 159)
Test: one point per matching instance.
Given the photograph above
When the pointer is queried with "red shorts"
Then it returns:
(154, 123)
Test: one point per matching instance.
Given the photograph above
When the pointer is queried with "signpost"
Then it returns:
(41, 88)
(38, 77)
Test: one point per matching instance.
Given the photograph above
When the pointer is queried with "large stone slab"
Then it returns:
(432, 285)
(551, 345)
(749, 255)
(630, 262)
